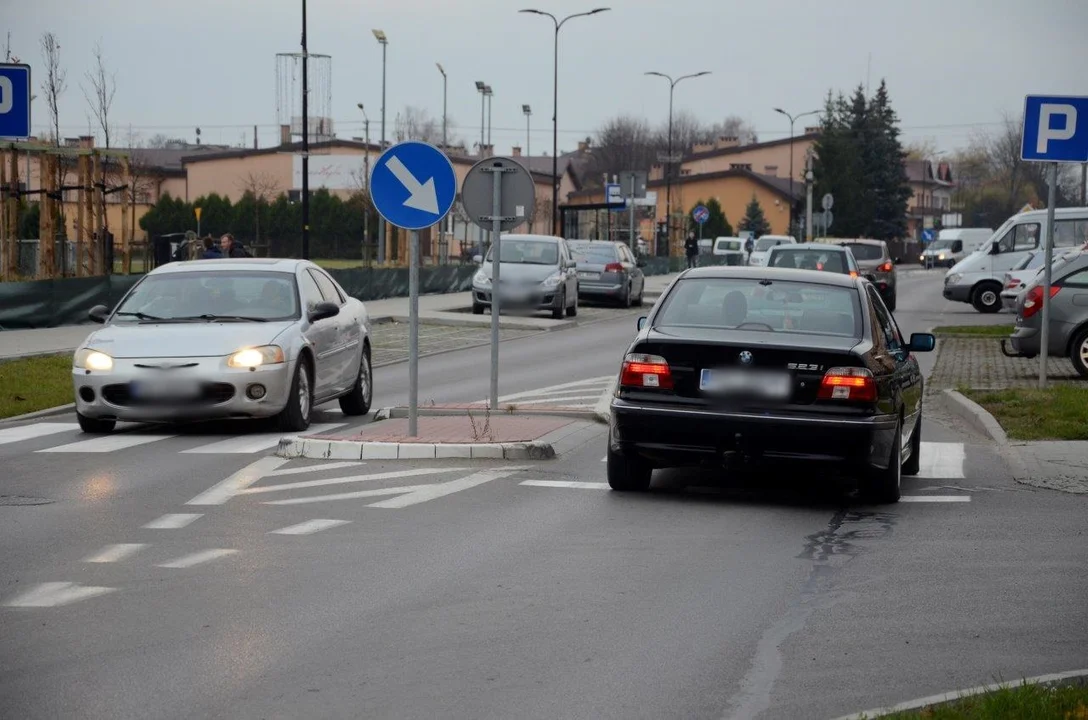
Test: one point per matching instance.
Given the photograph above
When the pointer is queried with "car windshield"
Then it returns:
(785, 307)
(197, 296)
(728, 245)
(527, 252)
(808, 259)
(941, 244)
(766, 243)
(1031, 262)
(594, 253)
(865, 251)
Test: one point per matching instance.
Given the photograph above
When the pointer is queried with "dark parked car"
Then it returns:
(877, 264)
(765, 363)
(814, 256)
(608, 271)
(1068, 334)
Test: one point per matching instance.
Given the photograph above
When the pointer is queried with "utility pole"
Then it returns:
(809, 177)
(488, 94)
(384, 42)
(444, 139)
(366, 181)
(792, 119)
(305, 142)
(528, 113)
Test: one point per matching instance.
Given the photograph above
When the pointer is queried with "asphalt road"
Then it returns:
(533, 592)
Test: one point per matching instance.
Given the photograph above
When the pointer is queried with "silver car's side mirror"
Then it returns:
(323, 311)
(98, 313)
(478, 259)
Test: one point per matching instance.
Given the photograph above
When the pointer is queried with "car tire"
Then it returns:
(627, 473)
(572, 311)
(891, 303)
(882, 487)
(95, 426)
(625, 301)
(1078, 352)
(477, 308)
(914, 463)
(358, 400)
(638, 300)
(557, 312)
(295, 416)
(987, 298)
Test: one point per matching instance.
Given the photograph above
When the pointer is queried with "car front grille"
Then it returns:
(210, 394)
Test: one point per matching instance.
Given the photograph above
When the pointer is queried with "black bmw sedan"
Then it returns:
(763, 363)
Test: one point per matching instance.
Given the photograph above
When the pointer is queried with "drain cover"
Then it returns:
(22, 500)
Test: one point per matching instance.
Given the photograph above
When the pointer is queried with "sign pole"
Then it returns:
(1049, 254)
(633, 242)
(496, 264)
(413, 334)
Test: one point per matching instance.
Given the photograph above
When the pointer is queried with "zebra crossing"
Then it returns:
(582, 394)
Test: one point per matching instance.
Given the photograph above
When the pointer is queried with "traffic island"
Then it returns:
(480, 410)
(448, 437)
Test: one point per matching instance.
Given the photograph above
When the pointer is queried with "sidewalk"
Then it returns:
(448, 309)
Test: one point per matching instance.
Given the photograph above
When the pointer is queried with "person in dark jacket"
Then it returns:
(691, 249)
(232, 248)
(211, 252)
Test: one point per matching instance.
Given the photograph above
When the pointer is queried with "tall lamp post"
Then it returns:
(555, 106)
(668, 160)
(481, 87)
(305, 142)
(488, 94)
(443, 71)
(528, 113)
(793, 118)
(366, 172)
(384, 42)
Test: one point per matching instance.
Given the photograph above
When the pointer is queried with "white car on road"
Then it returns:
(764, 244)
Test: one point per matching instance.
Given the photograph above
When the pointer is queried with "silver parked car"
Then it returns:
(1068, 333)
(537, 273)
(232, 338)
(608, 271)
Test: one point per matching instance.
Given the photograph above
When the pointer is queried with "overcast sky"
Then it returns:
(951, 65)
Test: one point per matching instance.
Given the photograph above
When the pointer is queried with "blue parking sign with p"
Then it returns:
(1055, 129)
(14, 101)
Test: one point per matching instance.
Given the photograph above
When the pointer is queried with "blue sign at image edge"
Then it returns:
(1056, 147)
(425, 163)
(15, 124)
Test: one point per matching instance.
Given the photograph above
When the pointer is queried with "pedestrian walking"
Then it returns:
(211, 250)
(691, 249)
(749, 246)
(232, 248)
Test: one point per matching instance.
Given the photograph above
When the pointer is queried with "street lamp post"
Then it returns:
(482, 88)
(528, 113)
(305, 143)
(668, 160)
(384, 42)
(555, 106)
(792, 119)
(366, 173)
(488, 94)
(443, 71)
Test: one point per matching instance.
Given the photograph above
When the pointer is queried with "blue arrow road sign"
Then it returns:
(14, 101)
(701, 214)
(1055, 129)
(927, 235)
(413, 185)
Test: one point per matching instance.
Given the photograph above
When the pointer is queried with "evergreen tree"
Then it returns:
(890, 189)
(837, 167)
(754, 220)
(716, 225)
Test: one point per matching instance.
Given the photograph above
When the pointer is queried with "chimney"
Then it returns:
(254, 137)
(727, 141)
(583, 145)
(702, 147)
(812, 130)
(487, 151)
(285, 134)
(85, 142)
(515, 151)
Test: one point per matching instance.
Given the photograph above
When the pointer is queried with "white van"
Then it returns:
(731, 247)
(764, 244)
(953, 245)
(977, 278)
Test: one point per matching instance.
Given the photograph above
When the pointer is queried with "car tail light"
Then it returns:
(848, 383)
(1010, 284)
(853, 274)
(886, 267)
(613, 267)
(645, 371)
(1033, 303)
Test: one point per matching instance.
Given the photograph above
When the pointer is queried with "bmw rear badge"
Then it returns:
(746, 357)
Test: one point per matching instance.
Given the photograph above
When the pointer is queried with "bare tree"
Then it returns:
(920, 149)
(623, 143)
(732, 126)
(55, 83)
(263, 187)
(416, 124)
(103, 86)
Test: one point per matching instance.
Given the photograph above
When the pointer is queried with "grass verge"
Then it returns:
(1023, 702)
(975, 330)
(36, 383)
(1058, 413)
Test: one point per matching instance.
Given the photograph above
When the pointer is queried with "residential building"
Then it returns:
(932, 194)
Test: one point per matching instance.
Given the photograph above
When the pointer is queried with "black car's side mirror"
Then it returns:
(99, 313)
(642, 322)
(323, 311)
(922, 342)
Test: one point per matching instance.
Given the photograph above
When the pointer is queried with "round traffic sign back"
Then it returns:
(518, 192)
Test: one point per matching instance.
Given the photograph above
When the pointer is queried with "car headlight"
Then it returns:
(921, 258)
(252, 357)
(88, 359)
(481, 278)
(552, 281)
(941, 256)
(953, 279)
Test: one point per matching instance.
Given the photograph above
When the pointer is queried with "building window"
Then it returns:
(294, 196)
(770, 170)
(741, 166)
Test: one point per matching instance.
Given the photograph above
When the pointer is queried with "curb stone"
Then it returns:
(38, 414)
(602, 410)
(400, 412)
(982, 421)
(1072, 677)
(295, 447)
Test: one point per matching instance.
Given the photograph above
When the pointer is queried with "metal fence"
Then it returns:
(29, 252)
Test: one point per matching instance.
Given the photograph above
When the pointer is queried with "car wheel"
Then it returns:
(96, 426)
(1078, 352)
(914, 462)
(295, 416)
(891, 303)
(638, 300)
(987, 298)
(557, 312)
(883, 486)
(572, 311)
(625, 302)
(477, 308)
(357, 402)
(627, 473)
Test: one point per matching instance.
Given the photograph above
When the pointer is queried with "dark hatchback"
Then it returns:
(765, 363)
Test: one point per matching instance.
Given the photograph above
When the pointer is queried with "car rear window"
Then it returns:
(750, 304)
(809, 259)
(594, 252)
(864, 251)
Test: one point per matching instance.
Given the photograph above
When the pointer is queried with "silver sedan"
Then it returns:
(212, 339)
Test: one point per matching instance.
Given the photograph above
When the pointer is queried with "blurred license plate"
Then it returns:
(757, 383)
(165, 390)
(589, 275)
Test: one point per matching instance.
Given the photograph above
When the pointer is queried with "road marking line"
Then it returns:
(347, 496)
(314, 468)
(52, 594)
(108, 443)
(309, 527)
(249, 444)
(935, 498)
(188, 561)
(430, 492)
(29, 432)
(566, 484)
(555, 388)
(226, 489)
(392, 475)
(941, 460)
(172, 521)
(604, 459)
(115, 553)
